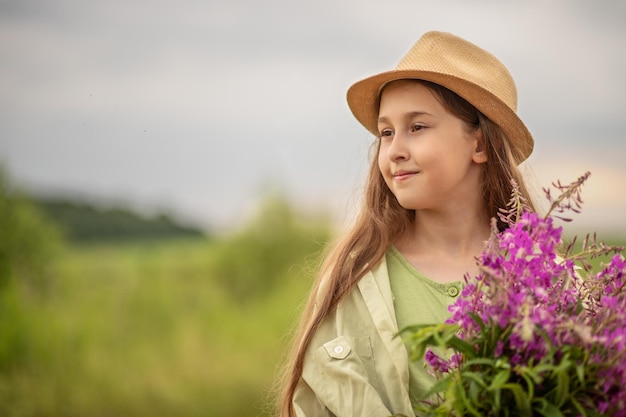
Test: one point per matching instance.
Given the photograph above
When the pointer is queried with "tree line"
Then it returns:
(79, 221)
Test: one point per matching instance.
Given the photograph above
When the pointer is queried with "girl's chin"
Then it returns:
(408, 205)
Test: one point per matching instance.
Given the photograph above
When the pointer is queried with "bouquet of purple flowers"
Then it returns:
(538, 332)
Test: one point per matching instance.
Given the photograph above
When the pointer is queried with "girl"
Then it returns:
(448, 145)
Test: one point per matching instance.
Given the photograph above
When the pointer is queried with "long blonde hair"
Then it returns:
(382, 221)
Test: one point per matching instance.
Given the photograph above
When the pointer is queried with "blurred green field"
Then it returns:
(169, 327)
(145, 329)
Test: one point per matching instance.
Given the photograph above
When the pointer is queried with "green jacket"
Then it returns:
(355, 364)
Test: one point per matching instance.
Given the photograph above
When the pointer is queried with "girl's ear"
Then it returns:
(479, 155)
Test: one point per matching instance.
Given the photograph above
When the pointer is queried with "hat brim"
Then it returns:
(363, 99)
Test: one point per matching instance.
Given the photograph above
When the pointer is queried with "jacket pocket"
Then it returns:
(338, 349)
(342, 374)
(362, 346)
(343, 347)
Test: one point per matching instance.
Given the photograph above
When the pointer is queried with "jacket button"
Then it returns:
(338, 349)
(453, 291)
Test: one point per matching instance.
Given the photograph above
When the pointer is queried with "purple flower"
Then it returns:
(438, 364)
(530, 307)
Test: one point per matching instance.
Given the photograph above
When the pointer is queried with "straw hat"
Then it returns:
(450, 61)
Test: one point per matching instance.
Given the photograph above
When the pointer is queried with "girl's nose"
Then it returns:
(398, 150)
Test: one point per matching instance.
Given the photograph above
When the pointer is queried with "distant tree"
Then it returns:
(276, 244)
(27, 240)
(85, 222)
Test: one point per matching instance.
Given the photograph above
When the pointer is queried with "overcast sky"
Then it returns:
(197, 106)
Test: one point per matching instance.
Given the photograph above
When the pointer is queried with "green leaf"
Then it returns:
(480, 361)
(419, 337)
(530, 385)
(438, 339)
(562, 388)
(500, 379)
(579, 407)
(476, 377)
(580, 373)
(563, 364)
(497, 400)
(552, 411)
(467, 404)
(419, 341)
(440, 386)
(462, 347)
(521, 399)
(474, 391)
(548, 409)
(531, 372)
(413, 328)
(543, 368)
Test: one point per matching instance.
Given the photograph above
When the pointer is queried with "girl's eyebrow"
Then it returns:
(408, 115)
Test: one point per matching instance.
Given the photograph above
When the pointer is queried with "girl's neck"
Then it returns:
(445, 248)
(462, 234)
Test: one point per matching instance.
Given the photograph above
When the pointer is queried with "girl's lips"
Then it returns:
(403, 175)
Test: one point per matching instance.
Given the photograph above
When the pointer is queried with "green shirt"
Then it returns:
(418, 300)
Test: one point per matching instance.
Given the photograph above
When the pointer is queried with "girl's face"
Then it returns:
(428, 157)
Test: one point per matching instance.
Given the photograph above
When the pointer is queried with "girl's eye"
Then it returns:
(416, 128)
(386, 133)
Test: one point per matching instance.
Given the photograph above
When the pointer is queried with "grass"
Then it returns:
(144, 329)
